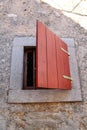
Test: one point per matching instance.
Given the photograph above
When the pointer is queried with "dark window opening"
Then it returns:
(29, 68)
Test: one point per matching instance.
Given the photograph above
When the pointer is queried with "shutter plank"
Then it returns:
(51, 60)
(41, 63)
(66, 69)
(59, 63)
(62, 64)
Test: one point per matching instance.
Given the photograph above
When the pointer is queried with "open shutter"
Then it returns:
(52, 60)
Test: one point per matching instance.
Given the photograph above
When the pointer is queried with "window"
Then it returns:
(29, 68)
(16, 93)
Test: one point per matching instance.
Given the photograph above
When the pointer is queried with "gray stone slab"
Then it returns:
(24, 41)
(16, 77)
(74, 69)
(17, 95)
(69, 41)
(2, 125)
(35, 96)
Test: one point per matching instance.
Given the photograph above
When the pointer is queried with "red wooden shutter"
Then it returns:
(52, 60)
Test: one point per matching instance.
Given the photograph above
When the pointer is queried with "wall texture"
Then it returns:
(18, 18)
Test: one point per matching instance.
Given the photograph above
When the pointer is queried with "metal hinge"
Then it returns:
(67, 77)
(65, 51)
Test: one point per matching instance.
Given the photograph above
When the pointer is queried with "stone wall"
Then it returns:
(69, 20)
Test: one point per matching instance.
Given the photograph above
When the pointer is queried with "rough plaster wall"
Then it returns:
(19, 18)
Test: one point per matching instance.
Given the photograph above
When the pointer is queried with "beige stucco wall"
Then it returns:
(67, 19)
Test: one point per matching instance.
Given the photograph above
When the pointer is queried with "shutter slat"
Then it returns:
(41, 63)
(51, 60)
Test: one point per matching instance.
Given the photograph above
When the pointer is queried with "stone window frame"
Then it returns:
(17, 95)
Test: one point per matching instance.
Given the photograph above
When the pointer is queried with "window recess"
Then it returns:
(29, 68)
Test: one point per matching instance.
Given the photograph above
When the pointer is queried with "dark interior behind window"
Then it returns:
(29, 68)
